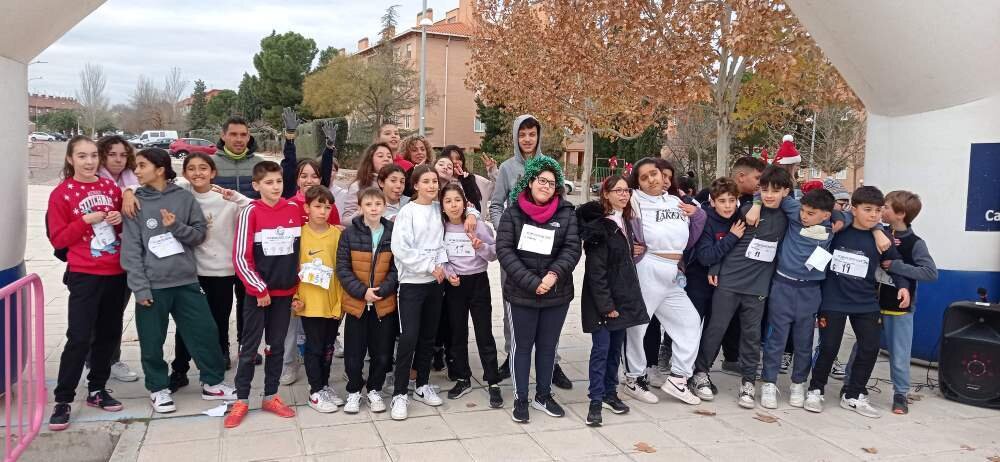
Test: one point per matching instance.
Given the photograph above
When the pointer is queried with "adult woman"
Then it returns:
(452, 172)
(538, 246)
(611, 301)
(376, 156)
(668, 227)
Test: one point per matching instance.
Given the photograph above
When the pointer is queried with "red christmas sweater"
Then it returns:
(266, 248)
(92, 249)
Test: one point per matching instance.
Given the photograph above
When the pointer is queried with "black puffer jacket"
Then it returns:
(525, 270)
(610, 282)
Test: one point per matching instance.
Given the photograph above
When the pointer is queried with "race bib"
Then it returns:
(818, 260)
(104, 235)
(437, 255)
(458, 245)
(762, 250)
(164, 245)
(316, 273)
(849, 264)
(279, 241)
(536, 240)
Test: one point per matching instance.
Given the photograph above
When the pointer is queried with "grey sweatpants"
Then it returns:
(725, 305)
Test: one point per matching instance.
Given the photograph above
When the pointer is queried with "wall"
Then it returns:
(13, 177)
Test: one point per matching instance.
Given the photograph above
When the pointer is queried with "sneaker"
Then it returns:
(900, 405)
(321, 402)
(838, 371)
(703, 387)
(103, 400)
(122, 373)
(496, 396)
(814, 401)
(546, 404)
(520, 414)
(786, 363)
(338, 348)
(731, 367)
(504, 370)
(860, 405)
(769, 396)
(290, 374)
(162, 402)
(399, 403)
(560, 380)
(615, 404)
(594, 413)
(178, 380)
(427, 395)
(677, 387)
(796, 394)
(748, 395)
(277, 406)
(461, 388)
(637, 388)
(333, 396)
(60, 417)
(218, 391)
(353, 404)
(375, 401)
(236, 414)
(438, 362)
(655, 376)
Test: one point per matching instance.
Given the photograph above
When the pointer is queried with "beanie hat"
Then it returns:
(811, 185)
(787, 154)
(534, 167)
(836, 188)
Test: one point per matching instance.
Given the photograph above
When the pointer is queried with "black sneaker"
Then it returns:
(594, 414)
(520, 414)
(548, 405)
(560, 380)
(102, 399)
(504, 371)
(177, 381)
(60, 417)
(900, 405)
(496, 396)
(615, 404)
(461, 388)
(438, 363)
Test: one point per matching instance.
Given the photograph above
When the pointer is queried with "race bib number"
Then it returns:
(536, 240)
(458, 245)
(818, 260)
(762, 250)
(849, 264)
(437, 255)
(164, 245)
(316, 273)
(104, 235)
(277, 242)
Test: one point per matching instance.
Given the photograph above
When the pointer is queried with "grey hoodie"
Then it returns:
(145, 270)
(511, 170)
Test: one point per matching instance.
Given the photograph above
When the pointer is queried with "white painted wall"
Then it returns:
(14, 173)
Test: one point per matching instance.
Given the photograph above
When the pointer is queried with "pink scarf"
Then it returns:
(125, 179)
(538, 213)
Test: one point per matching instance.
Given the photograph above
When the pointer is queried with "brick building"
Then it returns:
(44, 104)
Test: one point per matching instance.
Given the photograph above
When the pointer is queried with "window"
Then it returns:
(405, 120)
(841, 175)
(813, 173)
(409, 51)
(479, 126)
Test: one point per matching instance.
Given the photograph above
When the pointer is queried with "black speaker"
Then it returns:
(969, 368)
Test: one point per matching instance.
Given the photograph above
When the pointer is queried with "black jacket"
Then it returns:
(714, 243)
(525, 270)
(610, 282)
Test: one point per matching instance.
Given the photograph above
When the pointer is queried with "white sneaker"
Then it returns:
(375, 401)
(219, 391)
(769, 395)
(333, 396)
(748, 395)
(353, 404)
(814, 401)
(289, 374)
(122, 373)
(399, 403)
(860, 405)
(321, 402)
(677, 387)
(162, 402)
(426, 394)
(702, 386)
(338, 348)
(796, 394)
(637, 388)
(655, 376)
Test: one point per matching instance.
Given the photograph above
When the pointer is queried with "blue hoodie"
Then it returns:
(713, 244)
(796, 248)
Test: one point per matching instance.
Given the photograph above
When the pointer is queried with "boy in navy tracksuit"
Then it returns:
(851, 291)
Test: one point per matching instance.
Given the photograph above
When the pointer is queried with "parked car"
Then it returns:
(155, 138)
(182, 147)
(58, 136)
(40, 136)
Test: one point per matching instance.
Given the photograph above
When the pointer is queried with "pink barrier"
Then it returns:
(24, 394)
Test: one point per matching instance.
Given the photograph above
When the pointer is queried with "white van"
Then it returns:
(151, 137)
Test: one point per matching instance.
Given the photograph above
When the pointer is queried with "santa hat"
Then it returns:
(811, 185)
(787, 154)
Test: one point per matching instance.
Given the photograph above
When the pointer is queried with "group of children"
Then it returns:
(308, 258)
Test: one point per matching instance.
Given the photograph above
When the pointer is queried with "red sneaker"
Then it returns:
(236, 414)
(277, 406)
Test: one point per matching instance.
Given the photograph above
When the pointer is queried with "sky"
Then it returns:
(211, 40)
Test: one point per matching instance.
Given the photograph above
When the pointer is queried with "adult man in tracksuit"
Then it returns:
(527, 135)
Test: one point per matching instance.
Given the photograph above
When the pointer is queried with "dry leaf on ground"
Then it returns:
(644, 447)
(470, 404)
(766, 418)
(704, 412)
(870, 450)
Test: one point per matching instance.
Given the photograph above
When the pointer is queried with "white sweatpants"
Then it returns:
(671, 305)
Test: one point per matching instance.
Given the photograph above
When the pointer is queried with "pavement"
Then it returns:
(467, 429)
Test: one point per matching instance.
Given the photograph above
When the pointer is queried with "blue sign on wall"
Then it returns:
(982, 211)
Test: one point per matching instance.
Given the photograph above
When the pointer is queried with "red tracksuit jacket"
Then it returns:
(266, 248)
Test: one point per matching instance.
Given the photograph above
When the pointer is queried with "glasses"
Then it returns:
(545, 182)
(621, 191)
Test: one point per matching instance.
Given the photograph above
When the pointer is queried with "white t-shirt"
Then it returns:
(665, 227)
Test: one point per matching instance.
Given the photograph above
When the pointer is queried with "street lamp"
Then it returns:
(812, 144)
(424, 22)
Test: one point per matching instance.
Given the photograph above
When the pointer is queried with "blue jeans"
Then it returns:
(898, 331)
(605, 354)
(792, 312)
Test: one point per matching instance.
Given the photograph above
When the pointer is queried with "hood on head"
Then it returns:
(251, 146)
(515, 126)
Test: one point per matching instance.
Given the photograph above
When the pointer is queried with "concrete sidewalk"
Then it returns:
(466, 429)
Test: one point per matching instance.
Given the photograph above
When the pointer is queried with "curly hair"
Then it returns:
(534, 167)
(409, 141)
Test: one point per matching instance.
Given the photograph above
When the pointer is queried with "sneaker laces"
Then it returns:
(642, 383)
(747, 388)
(429, 393)
(402, 399)
(162, 395)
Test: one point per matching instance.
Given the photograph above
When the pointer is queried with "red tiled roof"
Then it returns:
(454, 28)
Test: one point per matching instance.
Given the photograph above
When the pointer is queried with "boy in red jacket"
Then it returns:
(266, 256)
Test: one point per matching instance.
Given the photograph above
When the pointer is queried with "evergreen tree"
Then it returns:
(198, 117)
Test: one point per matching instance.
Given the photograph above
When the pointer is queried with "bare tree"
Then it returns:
(148, 103)
(91, 95)
(174, 86)
(691, 139)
